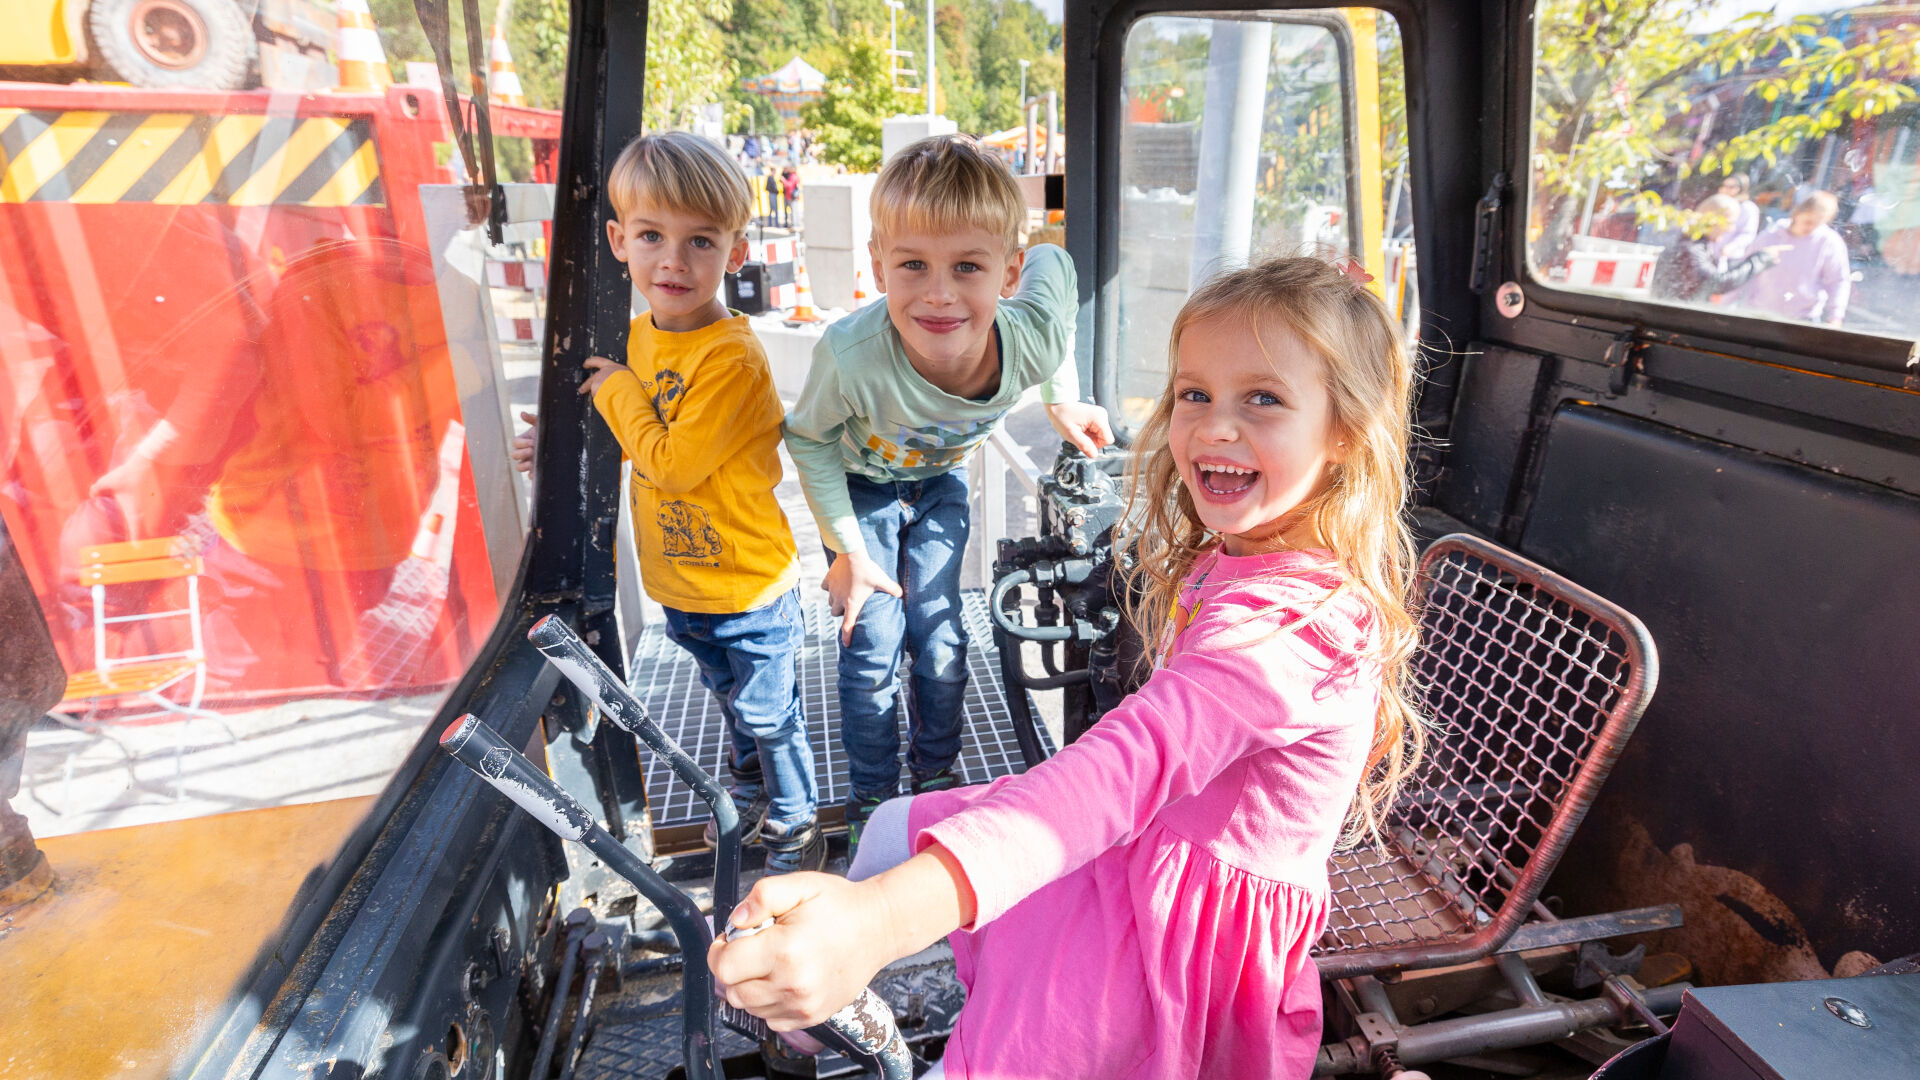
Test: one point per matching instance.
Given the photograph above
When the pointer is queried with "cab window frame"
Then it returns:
(1095, 122)
(1749, 337)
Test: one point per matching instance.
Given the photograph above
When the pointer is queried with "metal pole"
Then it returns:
(1026, 162)
(930, 80)
(1237, 58)
(1053, 127)
(1024, 64)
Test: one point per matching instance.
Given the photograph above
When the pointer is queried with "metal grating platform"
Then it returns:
(667, 680)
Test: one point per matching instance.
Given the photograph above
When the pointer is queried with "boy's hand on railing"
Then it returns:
(829, 942)
(1083, 424)
(852, 578)
(522, 452)
(603, 369)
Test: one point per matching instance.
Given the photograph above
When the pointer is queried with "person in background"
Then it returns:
(1738, 238)
(1690, 271)
(1813, 278)
(774, 192)
(789, 191)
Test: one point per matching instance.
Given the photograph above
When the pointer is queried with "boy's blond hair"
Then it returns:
(947, 184)
(681, 171)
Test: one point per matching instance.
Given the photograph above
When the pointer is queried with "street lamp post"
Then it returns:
(1024, 65)
(929, 81)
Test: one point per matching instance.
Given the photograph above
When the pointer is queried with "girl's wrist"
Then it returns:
(921, 901)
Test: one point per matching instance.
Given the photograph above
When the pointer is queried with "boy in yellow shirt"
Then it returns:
(695, 410)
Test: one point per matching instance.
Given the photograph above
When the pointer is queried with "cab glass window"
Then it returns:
(1249, 135)
(1748, 159)
(257, 513)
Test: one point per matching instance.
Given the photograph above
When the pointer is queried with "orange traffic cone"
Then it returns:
(860, 296)
(803, 295)
(503, 82)
(363, 61)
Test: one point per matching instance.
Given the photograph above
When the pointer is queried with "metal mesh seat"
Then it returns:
(1533, 685)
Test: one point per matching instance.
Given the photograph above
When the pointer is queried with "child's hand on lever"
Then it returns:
(832, 936)
(852, 578)
(1083, 424)
(822, 951)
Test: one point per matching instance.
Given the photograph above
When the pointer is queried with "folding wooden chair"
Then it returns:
(154, 679)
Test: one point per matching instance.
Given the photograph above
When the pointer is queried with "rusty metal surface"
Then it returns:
(1533, 685)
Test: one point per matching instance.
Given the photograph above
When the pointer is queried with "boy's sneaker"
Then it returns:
(753, 816)
(859, 809)
(794, 847)
(940, 780)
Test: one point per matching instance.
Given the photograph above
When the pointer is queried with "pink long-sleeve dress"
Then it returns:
(1148, 896)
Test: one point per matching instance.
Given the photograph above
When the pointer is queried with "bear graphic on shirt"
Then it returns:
(687, 531)
(666, 388)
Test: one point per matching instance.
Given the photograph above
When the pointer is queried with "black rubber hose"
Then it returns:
(577, 922)
(593, 951)
(564, 649)
(481, 749)
(1018, 710)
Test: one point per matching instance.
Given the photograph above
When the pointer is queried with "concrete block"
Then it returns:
(832, 274)
(898, 131)
(837, 211)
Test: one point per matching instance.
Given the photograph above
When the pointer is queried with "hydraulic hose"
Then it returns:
(577, 922)
(1006, 584)
(564, 650)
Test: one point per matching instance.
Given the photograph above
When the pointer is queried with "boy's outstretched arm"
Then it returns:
(832, 935)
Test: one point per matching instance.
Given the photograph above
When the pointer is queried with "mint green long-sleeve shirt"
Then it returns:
(865, 410)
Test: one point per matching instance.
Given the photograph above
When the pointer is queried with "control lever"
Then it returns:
(864, 1031)
(564, 650)
(481, 749)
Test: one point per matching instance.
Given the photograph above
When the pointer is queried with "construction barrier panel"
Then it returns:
(219, 321)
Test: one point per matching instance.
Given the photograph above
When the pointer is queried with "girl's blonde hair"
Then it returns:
(1358, 513)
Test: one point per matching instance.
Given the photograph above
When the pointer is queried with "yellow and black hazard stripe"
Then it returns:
(179, 158)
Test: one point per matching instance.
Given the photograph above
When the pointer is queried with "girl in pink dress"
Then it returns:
(1142, 904)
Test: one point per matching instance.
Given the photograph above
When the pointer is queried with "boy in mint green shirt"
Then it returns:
(898, 396)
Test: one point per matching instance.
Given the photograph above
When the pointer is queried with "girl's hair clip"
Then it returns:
(1356, 271)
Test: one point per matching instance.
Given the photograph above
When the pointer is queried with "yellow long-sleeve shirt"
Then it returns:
(700, 421)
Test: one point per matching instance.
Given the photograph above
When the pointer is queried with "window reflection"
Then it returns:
(1751, 160)
(256, 516)
(1236, 143)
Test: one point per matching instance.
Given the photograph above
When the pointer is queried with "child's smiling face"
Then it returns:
(1252, 430)
(942, 292)
(677, 260)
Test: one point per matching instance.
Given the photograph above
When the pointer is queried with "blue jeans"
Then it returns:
(917, 531)
(750, 662)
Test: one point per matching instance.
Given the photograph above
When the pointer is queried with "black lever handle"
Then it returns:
(481, 749)
(864, 1031)
(564, 650)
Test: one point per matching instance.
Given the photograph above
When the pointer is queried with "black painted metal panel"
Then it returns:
(1783, 740)
(1491, 416)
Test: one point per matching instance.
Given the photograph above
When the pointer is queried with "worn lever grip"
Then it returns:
(863, 1032)
(480, 748)
(564, 650)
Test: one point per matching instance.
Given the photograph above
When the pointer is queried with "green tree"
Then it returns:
(1621, 87)
(687, 61)
(859, 95)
